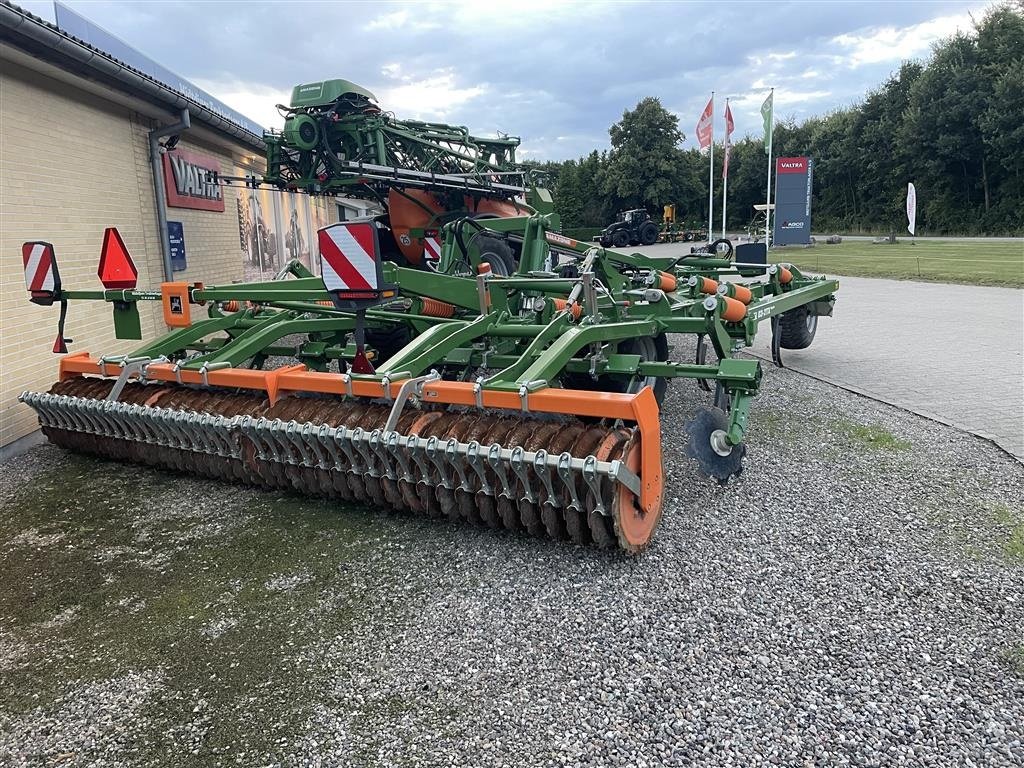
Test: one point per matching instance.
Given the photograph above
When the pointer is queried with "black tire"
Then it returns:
(649, 233)
(797, 328)
(620, 238)
(387, 341)
(495, 252)
(649, 348)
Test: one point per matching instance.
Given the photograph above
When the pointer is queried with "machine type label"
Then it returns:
(191, 181)
(793, 179)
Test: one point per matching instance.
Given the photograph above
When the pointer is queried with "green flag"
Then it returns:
(767, 110)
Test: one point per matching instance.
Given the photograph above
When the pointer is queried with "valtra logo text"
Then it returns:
(791, 165)
(191, 181)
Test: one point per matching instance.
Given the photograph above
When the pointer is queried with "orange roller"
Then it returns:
(435, 308)
(742, 293)
(734, 310)
(785, 276)
(561, 304)
(667, 282)
(704, 285)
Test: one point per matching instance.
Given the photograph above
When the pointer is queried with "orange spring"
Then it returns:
(435, 308)
(667, 282)
(561, 304)
(707, 285)
(326, 303)
(234, 305)
(785, 276)
(734, 310)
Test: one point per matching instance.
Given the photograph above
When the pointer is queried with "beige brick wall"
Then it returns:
(71, 164)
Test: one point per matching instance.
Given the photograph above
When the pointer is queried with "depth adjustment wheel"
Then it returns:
(709, 447)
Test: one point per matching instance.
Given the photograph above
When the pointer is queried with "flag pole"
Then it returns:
(711, 171)
(725, 175)
(768, 186)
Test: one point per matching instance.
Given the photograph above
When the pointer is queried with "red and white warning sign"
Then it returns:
(40, 267)
(431, 249)
(349, 258)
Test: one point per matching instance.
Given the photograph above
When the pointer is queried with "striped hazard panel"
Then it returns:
(349, 262)
(431, 249)
(41, 276)
(40, 267)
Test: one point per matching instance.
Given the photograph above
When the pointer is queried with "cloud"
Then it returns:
(556, 74)
(255, 101)
(893, 44)
(431, 98)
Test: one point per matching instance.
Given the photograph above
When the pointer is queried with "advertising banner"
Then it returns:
(276, 226)
(794, 177)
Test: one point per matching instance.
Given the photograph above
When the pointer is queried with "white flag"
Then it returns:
(911, 208)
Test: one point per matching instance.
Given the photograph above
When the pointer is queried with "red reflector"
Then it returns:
(117, 270)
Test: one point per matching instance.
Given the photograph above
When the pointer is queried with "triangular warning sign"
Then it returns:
(117, 270)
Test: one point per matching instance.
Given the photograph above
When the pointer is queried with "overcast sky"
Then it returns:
(556, 74)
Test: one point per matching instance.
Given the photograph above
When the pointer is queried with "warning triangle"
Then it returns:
(117, 270)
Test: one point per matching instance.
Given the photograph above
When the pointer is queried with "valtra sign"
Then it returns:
(791, 165)
(191, 181)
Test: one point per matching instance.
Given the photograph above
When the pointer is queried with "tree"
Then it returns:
(646, 166)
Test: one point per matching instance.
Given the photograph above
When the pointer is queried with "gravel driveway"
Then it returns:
(856, 598)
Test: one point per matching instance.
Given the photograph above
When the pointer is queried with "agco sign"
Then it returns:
(191, 181)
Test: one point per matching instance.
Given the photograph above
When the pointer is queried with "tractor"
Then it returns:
(633, 227)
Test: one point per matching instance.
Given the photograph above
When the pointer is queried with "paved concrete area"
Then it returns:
(954, 353)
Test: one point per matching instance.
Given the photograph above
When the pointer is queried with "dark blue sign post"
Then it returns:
(176, 237)
(793, 179)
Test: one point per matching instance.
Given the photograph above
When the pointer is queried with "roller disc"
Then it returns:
(601, 528)
(634, 526)
(706, 446)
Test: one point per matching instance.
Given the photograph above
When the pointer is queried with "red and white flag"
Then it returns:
(705, 126)
(728, 132)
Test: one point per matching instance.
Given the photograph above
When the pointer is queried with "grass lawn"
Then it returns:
(946, 261)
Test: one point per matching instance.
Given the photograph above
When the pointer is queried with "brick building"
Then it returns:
(75, 137)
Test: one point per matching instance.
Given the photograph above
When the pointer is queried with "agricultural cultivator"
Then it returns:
(337, 140)
(528, 402)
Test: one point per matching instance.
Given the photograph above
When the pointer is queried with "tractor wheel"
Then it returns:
(797, 327)
(497, 253)
(620, 238)
(649, 233)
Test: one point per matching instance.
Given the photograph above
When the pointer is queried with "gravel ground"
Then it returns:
(856, 598)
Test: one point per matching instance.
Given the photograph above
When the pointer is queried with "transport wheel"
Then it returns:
(797, 327)
(387, 341)
(497, 253)
(649, 348)
(715, 457)
(620, 238)
(649, 233)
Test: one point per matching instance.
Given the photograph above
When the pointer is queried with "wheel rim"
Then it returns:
(812, 322)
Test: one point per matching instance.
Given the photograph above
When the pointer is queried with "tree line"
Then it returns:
(953, 125)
